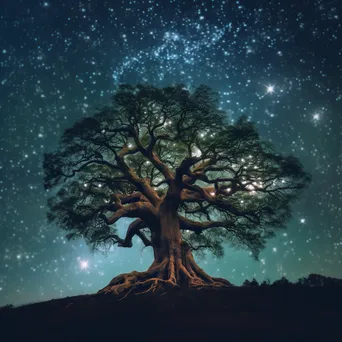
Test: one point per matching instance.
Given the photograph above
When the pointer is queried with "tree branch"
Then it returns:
(148, 153)
(141, 184)
(198, 227)
(144, 239)
(131, 198)
(134, 229)
(101, 162)
(248, 214)
(143, 210)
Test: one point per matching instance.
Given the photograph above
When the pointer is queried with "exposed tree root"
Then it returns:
(166, 275)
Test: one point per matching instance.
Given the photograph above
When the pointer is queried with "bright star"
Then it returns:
(270, 89)
(316, 117)
(84, 264)
(302, 220)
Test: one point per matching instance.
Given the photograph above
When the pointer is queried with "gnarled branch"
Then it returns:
(134, 229)
(143, 210)
(198, 227)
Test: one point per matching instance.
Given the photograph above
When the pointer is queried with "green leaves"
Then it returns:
(211, 240)
(84, 128)
(52, 164)
(139, 141)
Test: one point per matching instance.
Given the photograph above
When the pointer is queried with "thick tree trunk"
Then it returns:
(169, 246)
(173, 265)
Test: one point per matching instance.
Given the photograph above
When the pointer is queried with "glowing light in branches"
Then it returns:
(250, 187)
(196, 152)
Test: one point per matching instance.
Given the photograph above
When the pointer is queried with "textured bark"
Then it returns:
(173, 265)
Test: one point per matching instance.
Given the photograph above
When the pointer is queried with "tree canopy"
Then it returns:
(120, 163)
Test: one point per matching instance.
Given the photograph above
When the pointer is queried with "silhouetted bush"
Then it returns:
(8, 306)
(253, 283)
(313, 280)
(5, 308)
(283, 282)
(265, 283)
(316, 280)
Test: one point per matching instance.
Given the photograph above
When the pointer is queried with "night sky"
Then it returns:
(278, 62)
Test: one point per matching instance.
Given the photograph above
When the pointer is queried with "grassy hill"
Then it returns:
(272, 313)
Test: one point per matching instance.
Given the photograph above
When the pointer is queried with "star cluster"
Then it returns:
(278, 62)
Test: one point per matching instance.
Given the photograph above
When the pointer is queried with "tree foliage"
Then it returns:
(119, 163)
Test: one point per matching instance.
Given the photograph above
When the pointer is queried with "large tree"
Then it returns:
(169, 160)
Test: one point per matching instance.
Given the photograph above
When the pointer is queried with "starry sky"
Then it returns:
(278, 62)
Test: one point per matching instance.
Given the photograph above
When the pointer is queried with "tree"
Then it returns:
(266, 283)
(283, 282)
(317, 280)
(168, 159)
(252, 283)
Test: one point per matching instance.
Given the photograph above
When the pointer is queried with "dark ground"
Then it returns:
(235, 314)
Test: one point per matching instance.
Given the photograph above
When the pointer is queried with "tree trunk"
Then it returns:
(173, 265)
(169, 246)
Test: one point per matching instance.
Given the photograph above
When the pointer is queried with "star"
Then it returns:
(316, 116)
(302, 220)
(84, 264)
(270, 89)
